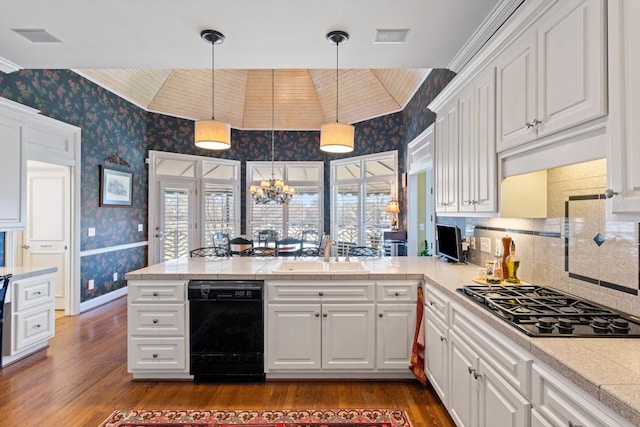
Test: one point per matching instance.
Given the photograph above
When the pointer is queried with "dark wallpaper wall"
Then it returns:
(112, 125)
(1, 249)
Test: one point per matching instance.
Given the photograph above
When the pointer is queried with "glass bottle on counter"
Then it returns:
(496, 274)
(512, 263)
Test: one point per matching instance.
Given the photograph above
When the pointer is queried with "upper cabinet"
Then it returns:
(553, 76)
(624, 99)
(446, 159)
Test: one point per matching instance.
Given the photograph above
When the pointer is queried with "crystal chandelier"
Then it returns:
(273, 191)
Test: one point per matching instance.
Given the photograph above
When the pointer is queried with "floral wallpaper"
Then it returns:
(110, 125)
(1, 249)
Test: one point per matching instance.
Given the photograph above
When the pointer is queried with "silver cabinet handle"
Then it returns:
(320, 294)
(317, 314)
(574, 425)
(155, 355)
(397, 294)
(155, 294)
(380, 315)
(155, 321)
(431, 302)
(471, 371)
(442, 338)
(324, 314)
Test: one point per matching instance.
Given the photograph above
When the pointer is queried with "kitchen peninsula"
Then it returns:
(597, 379)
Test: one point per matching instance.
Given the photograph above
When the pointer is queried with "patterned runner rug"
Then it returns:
(260, 418)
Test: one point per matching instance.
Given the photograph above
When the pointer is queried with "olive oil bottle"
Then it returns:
(512, 263)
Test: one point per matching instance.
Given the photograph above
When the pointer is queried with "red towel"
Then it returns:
(417, 352)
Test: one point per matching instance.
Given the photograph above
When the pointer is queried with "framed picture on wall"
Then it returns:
(116, 187)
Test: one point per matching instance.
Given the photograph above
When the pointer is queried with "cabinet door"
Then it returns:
(624, 108)
(446, 159)
(500, 404)
(13, 167)
(467, 147)
(436, 363)
(394, 337)
(348, 336)
(463, 364)
(571, 65)
(293, 336)
(516, 93)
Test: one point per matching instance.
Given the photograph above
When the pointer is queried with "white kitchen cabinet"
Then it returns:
(436, 358)
(320, 336)
(32, 313)
(557, 402)
(446, 159)
(157, 329)
(553, 76)
(624, 106)
(13, 165)
(395, 329)
(477, 149)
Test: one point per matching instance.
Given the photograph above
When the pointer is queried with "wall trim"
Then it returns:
(7, 66)
(116, 248)
(103, 299)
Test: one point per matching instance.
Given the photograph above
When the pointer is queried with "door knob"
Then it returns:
(25, 246)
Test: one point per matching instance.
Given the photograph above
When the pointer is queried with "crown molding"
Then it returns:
(485, 31)
(7, 66)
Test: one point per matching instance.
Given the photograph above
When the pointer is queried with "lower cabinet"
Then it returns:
(157, 329)
(356, 327)
(484, 379)
(30, 321)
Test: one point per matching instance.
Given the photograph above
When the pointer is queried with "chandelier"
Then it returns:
(272, 191)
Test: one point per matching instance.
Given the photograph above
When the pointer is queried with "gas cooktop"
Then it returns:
(544, 312)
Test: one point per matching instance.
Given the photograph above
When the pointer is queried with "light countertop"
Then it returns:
(24, 272)
(606, 368)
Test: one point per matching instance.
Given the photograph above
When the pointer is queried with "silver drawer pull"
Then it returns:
(155, 355)
(442, 338)
(37, 293)
(380, 315)
(37, 326)
(397, 294)
(155, 320)
(155, 294)
(317, 314)
(324, 314)
(432, 302)
(471, 371)
(320, 294)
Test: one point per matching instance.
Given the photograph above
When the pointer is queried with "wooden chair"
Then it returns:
(208, 252)
(221, 240)
(365, 251)
(3, 293)
(289, 246)
(239, 246)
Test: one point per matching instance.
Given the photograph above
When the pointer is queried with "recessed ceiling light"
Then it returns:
(37, 35)
(391, 36)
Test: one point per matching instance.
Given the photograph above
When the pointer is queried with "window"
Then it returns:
(304, 211)
(220, 207)
(360, 190)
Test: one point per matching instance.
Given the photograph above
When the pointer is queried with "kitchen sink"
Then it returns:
(314, 266)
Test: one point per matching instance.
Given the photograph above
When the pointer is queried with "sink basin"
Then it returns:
(313, 267)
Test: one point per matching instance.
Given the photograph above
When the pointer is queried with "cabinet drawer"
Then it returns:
(157, 354)
(322, 291)
(33, 291)
(156, 291)
(397, 291)
(561, 403)
(436, 302)
(497, 350)
(157, 320)
(32, 326)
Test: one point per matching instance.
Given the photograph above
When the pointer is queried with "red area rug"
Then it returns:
(260, 418)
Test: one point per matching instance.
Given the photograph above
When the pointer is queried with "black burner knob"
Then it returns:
(600, 325)
(620, 326)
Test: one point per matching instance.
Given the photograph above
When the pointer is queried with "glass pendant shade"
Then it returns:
(337, 137)
(212, 134)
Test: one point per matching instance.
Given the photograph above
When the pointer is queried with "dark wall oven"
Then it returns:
(226, 322)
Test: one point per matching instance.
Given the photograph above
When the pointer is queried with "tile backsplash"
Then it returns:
(575, 249)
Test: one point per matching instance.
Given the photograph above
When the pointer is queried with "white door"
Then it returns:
(47, 234)
(174, 231)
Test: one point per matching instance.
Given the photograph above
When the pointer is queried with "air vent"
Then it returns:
(37, 35)
(391, 36)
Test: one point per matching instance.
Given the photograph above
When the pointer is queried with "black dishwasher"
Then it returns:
(226, 323)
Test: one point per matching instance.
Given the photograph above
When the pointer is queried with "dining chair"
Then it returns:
(238, 246)
(262, 251)
(221, 240)
(289, 246)
(267, 236)
(364, 251)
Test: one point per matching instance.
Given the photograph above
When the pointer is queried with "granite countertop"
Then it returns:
(606, 368)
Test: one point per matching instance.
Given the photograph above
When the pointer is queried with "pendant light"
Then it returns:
(273, 191)
(337, 137)
(212, 134)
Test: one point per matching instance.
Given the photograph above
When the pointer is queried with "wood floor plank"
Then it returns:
(82, 378)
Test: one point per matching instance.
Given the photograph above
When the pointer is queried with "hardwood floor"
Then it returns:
(82, 378)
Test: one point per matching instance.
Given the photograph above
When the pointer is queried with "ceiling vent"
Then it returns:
(37, 35)
(391, 36)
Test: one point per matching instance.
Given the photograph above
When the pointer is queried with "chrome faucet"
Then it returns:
(328, 242)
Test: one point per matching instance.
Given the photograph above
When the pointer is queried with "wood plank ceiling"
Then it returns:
(304, 99)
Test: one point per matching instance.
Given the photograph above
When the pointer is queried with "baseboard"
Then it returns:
(102, 299)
